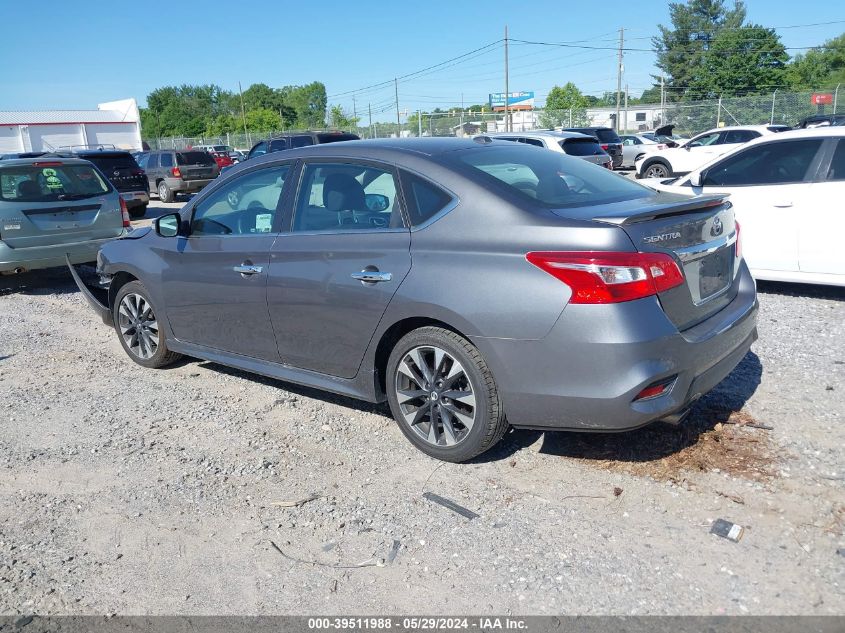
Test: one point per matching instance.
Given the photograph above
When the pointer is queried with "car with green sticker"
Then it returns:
(53, 208)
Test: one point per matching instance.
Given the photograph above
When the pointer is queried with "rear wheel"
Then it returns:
(164, 192)
(657, 169)
(443, 396)
(137, 327)
(138, 212)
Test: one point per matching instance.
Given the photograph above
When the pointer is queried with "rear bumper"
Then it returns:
(38, 257)
(187, 186)
(96, 298)
(585, 374)
(135, 198)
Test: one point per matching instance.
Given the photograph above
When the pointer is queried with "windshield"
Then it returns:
(335, 138)
(581, 147)
(194, 158)
(49, 181)
(551, 179)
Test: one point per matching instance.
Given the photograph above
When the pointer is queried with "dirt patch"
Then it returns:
(711, 440)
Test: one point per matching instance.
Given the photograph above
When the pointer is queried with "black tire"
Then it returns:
(164, 192)
(136, 213)
(162, 356)
(489, 423)
(656, 169)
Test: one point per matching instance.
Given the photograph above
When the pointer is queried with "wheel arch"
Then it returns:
(119, 280)
(648, 162)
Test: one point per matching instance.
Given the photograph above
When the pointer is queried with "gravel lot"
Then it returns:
(133, 491)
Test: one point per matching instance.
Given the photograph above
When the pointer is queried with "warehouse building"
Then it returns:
(116, 123)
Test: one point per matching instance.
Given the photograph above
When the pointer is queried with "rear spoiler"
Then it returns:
(698, 203)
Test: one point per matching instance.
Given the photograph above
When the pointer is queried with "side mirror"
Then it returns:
(696, 178)
(168, 225)
(376, 202)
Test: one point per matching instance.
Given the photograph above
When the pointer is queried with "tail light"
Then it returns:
(738, 244)
(610, 277)
(176, 172)
(605, 146)
(124, 212)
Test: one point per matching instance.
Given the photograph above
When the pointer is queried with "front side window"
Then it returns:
(767, 164)
(278, 144)
(346, 197)
(705, 139)
(245, 206)
(49, 181)
(259, 150)
(425, 199)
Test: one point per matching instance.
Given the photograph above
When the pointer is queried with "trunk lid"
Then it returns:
(699, 233)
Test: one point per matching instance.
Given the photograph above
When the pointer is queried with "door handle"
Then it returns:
(248, 269)
(371, 276)
(782, 205)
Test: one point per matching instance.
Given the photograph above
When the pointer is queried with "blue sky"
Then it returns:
(76, 54)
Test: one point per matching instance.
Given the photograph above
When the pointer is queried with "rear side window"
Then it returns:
(837, 165)
(533, 141)
(167, 159)
(152, 161)
(277, 145)
(50, 181)
(739, 136)
(581, 147)
(425, 200)
(194, 158)
(301, 141)
(607, 136)
(767, 164)
(336, 138)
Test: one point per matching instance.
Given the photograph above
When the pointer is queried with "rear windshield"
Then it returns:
(48, 182)
(608, 136)
(552, 179)
(194, 158)
(581, 147)
(222, 148)
(334, 138)
(110, 162)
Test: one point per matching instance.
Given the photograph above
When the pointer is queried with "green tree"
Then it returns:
(262, 120)
(683, 48)
(565, 106)
(822, 67)
(308, 102)
(338, 119)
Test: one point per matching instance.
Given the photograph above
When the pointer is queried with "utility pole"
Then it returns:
(662, 101)
(626, 108)
(507, 86)
(355, 112)
(619, 75)
(243, 112)
(370, 109)
(419, 123)
(396, 89)
(462, 112)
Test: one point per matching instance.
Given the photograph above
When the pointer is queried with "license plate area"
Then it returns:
(711, 275)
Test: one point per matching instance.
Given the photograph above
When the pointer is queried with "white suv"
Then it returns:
(575, 144)
(676, 161)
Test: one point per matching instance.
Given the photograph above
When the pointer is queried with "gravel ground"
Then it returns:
(133, 491)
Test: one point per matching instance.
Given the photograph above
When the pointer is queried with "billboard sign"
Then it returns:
(821, 98)
(516, 101)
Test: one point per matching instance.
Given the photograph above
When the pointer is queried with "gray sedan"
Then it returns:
(473, 284)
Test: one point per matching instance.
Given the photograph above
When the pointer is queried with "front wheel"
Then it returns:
(443, 396)
(657, 170)
(137, 327)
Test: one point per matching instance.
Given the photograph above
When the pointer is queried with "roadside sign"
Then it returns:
(516, 101)
(821, 98)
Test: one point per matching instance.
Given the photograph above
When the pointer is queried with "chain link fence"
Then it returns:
(689, 118)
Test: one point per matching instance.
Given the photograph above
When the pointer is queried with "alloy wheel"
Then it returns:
(656, 171)
(138, 326)
(435, 395)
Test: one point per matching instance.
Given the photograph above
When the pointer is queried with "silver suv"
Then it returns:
(172, 172)
(575, 144)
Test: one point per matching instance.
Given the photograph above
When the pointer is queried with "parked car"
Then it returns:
(572, 143)
(821, 120)
(171, 172)
(665, 135)
(634, 145)
(293, 140)
(51, 208)
(471, 283)
(700, 149)
(787, 191)
(22, 155)
(608, 139)
(220, 153)
(123, 172)
(237, 156)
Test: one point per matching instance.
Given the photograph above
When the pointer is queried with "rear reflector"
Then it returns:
(656, 389)
(124, 212)
(610, 277)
